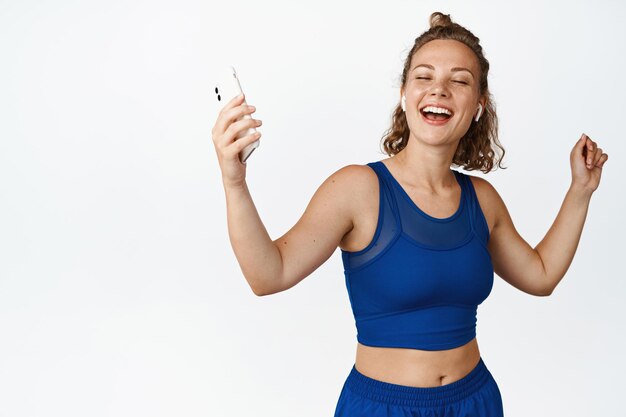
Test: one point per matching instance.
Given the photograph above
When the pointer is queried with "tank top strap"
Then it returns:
(387, 189)
(469, 197)
(477, 218)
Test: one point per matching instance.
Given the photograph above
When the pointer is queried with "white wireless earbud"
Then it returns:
(403, 104)
(480, 111)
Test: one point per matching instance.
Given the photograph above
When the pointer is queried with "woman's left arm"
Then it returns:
(558, 247)
(538, 270)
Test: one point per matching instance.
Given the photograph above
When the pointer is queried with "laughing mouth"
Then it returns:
(435, 113)
(436, 119)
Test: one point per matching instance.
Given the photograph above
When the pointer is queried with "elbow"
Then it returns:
(549, 291)
(255, 287)
(270, 282)
(264, 290)
(546, 288)
(257, 292)
(545, 291)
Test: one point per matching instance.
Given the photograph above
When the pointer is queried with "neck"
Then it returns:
(426, 166)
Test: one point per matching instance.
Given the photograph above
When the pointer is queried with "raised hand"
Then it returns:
(587, 160)
(225, 132)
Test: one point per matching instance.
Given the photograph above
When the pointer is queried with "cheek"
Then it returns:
(416, 92)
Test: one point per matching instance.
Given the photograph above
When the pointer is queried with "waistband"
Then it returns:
(418, 396)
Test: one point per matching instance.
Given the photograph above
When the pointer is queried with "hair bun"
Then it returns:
(440, 19)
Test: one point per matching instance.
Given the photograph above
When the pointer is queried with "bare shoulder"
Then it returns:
(341, 195)
(357, 183)
(358, 175)
(360, 186)
(356, 180)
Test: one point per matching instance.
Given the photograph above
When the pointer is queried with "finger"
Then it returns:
(235, 101)
(590, 152)
(220, 123)
(241, 143)
(239, 126)
(226, 119)
(602, 160)
(591, 145)
(596, 157)
(239, 111)
(580, 149)
(581, 146)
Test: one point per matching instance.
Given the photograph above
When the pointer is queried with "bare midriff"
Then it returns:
(417, 368)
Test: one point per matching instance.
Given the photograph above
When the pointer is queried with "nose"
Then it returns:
(438, 89)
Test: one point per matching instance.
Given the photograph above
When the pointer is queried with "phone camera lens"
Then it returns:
(216, 90)
(219, 98)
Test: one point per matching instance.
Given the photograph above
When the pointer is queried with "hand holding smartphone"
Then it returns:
(228, 87)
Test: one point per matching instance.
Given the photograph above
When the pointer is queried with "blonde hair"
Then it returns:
(475, 150)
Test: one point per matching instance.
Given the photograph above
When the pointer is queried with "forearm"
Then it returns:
(558, 247)
(258, 257)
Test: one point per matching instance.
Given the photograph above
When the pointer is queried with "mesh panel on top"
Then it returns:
(387, 227)
(425, 230)
(410, 221)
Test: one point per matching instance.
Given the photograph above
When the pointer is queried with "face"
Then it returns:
(434, 77)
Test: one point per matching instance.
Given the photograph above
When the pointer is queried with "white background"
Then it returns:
(120, 294)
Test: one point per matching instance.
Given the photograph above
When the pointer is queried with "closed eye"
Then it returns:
(426, 78)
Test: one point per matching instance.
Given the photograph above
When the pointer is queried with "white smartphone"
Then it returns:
(226, 88)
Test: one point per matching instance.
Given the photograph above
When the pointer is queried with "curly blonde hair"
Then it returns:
(475, 150)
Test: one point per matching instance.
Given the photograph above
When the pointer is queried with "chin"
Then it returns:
(437, 138)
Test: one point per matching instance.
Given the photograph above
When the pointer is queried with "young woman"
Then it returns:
(420, 242)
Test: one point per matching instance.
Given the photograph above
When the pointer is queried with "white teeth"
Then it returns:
(440, 110)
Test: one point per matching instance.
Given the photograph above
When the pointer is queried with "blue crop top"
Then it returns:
(419, 282)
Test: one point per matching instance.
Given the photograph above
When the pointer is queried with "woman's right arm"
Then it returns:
(258, 257)
(255, 252)
(274, 266)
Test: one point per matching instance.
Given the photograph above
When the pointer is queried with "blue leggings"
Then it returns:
(475, 395)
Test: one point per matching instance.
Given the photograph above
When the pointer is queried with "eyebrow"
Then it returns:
(455, 69)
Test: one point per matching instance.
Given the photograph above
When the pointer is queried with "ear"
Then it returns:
(482, 102)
